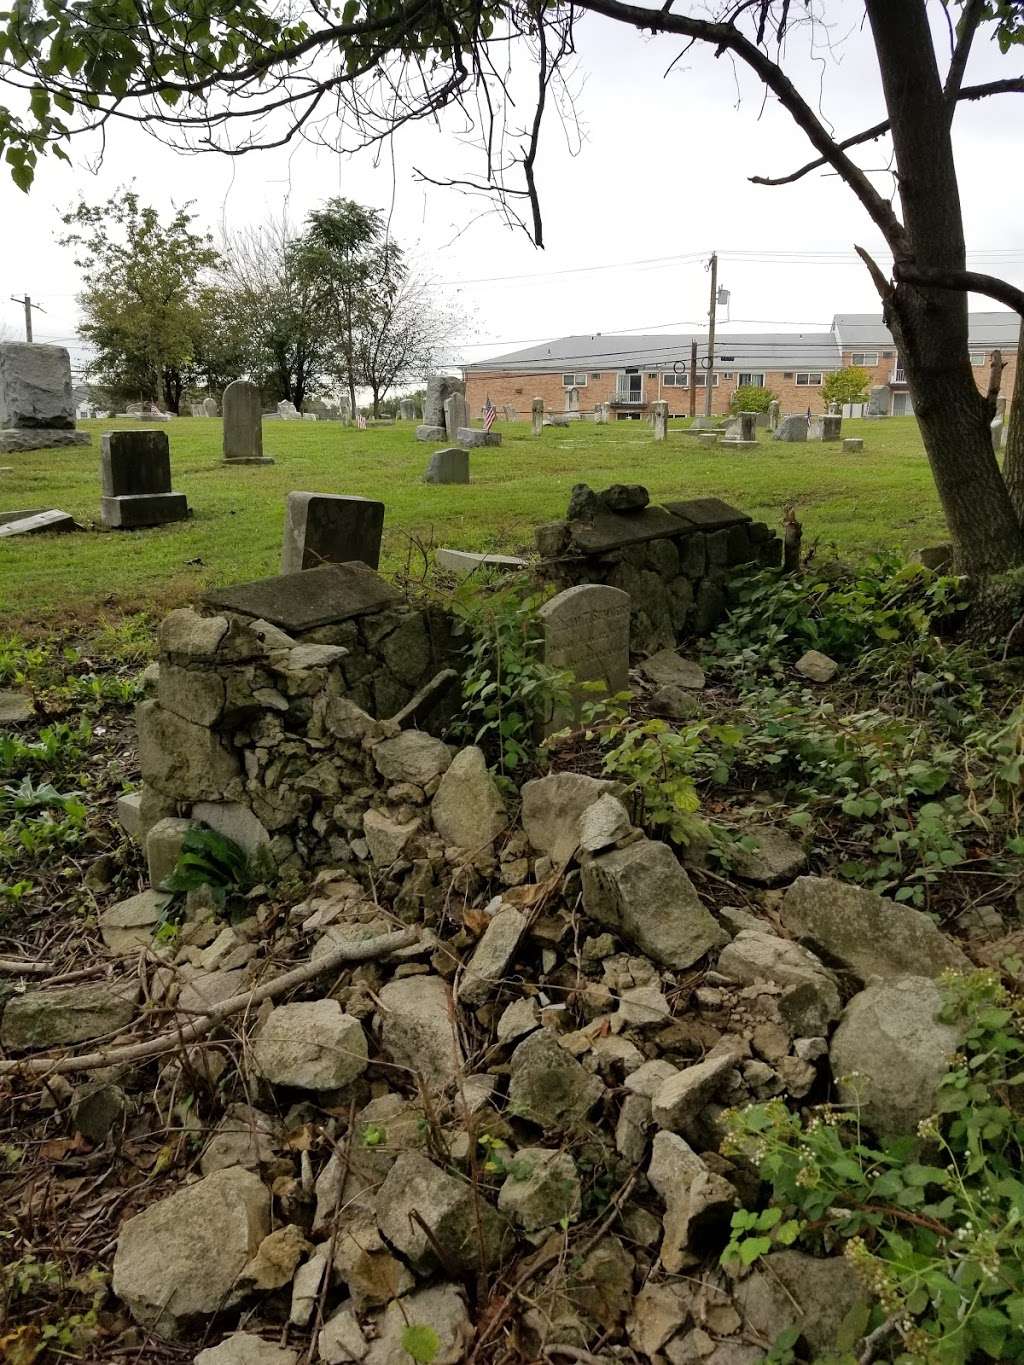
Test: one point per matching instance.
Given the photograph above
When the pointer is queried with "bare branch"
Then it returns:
(966, 29)
(968, 281)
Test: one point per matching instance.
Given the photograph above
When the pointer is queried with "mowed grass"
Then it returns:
(881, 499)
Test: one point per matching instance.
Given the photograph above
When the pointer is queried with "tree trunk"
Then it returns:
(1013, 462)
(930, 325)
(376, 400)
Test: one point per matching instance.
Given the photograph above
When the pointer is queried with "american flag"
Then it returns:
(360, 421)
(490, 412)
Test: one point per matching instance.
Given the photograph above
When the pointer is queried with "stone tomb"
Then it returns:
(743, 432)
(852, 445)
(586, 630)
(37, 408)
(135, 474)
(448, 466)
(243, 424)
(476, 436)
(329, 528)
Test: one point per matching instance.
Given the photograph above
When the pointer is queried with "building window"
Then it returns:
(676, 381)
(751, 380)
(810, 379)
(725, 359)
(867, 360)
(574, 381)
(727, 374)
(700, 379)
(652, 376)
(977, 358)
(887, 355)
(787, 374)
(595, 376)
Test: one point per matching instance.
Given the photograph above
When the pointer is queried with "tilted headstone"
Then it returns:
(135, 477)
(659, 413)
(38, 523)
(462, 563)
(792, 428)
(288, 412)
(209, 407)
(407, 409)
(456, 414)
(425, 433)
(537, 416)
(243, 424)
(315, 597)
(328, 528)
(852, 445)
(37, 407)
(448, 466)
(476, 436)
(586, 630)
(439, 388)
(831, 427)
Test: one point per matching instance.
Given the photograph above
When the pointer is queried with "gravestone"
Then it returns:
(748, 426)
(831, 427)
(209, 407)
(456, 414)
(197, 409)
(586, 630)
(315, 597)
(407, 409)
(537, 416)
(461, 563)
(878, 401)
(243, 424)
(38, 523)
(998, 429)
(659, 415)
(37, 407)
(135, 477)
(791, 428)
(852, 445)
(708, 438)
(476, 436)
(448, 466)
(703, 423)
(288, 412)
(425, 433)
(510, 411)
(601, 414)
(572, 400)
(309, 416)
(328, 528)
(439, 388)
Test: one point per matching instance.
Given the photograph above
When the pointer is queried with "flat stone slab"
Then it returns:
(143, 509)
(464, 562)
(738, 445)
(20, 515)
(706, 514)
(431, 433)
(610, 530)
(40, 438)
(473, 436)
(310, 598)
(248, 459)
(41, 522)
(15, 707)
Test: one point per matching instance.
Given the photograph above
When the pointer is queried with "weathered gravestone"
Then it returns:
(197, 409)
(742, 431)
(601, 414)
(407, 409)
(537, 416)
(288, 412)
(440, 387)
(998, 430)
(659, 415)
(461, 563)
(135, 474)
(852, 445)
(792, 428)
(878, 401)
(209, 407)
(38, 523)
(243, 424)
(37, 408)
(831, 427)
(304, 601)
(572, 400)
(456, 414)
(328, 528)
(708, 438)
(586, 631)
(448, 466)
(476, 436)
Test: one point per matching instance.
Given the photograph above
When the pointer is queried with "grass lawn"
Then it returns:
(883, 498)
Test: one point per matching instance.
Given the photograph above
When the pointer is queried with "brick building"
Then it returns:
(631, 372)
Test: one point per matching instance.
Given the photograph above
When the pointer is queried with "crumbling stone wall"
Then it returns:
(675, 560)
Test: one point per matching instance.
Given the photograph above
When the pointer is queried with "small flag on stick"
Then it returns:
(360, 421)
(490, 412)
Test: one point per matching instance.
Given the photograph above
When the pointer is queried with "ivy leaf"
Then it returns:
(421, 1342)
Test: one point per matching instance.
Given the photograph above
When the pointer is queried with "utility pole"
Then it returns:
(709, 373)
(693, 377)
(28, 306)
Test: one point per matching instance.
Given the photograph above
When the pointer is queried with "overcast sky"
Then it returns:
(660, 178)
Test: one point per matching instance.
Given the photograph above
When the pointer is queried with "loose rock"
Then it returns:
(548, 1087)
(552, 807)
(416, 1030)
(464, 1228)
(541, 1188)
(492, 955)
(467, 810)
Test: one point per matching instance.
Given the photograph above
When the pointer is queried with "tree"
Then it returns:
(751, 398)
(249, 64)
(849, 385)
(141, 306)
(403, 338)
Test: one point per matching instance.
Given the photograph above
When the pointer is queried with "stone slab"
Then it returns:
(249, 459)
(21, 514)
(40, 438)
(330, 528)
(41, 522)
(610, 530)
(738, 445)
(243, 422)
(430, 433)
(15, 707)
(586, 630)
(474, 437)
(705, 514)
(143, 509)
(448, 466)
(35, 387)
(464, 562)
(134, 463)
(314, 597)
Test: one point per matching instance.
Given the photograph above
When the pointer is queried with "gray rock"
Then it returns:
(184, 762)
(648, 1079)
(494, 951)
(450, 465)
(552, 807)
(866, 934)
(467, 810)
(675, 703)
(669, 669)
(310, 1045)
(810, 1001)
(789, 1289)
(242, 1348)
(468, 1231)
(341, 1339)
(603, 824)
(890, 1052)
(698, 1203)
(15, 707)
(236, 822)
(386, 837)
(244, 1137)
(631, 1128)
(383, 1129)
(412, 756)
(548, 1086)
(642, 893)
(417, 1031)
(60, 1015)
(130, 924)
(442, 1309)
(520, 1018)
(180, 1259)
(681, 1100)
(793, 428)
(97, 1108)
(816, 667)
(625, 497)
(584, 503)
(541, 1188)
(776, 859)
(643, 1007)
(163, 848)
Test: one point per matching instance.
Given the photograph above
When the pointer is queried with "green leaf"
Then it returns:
(421, 1342)
(754, 1247)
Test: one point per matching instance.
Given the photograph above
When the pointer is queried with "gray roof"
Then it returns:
(601, 351)
(857, 330)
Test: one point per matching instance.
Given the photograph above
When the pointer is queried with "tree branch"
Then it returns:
(966, 29)
(967, 281)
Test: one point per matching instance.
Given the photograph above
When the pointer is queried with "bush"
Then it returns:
(751, 398)
(846, 386)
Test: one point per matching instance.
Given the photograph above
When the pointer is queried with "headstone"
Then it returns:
(450, 465)
(537, 416)
(748, 426)
(831, 427)
(345, 408)
(197, 409)
(708, 438)
(813, 428)
(39, 523)
(309, 417)
(474, 436)
(659, 413)
(998, 433)
(37, 407)
(328, 528)
(456, 414)
(557, 419)
(243, 424)
(586, 630)
(439, 388)
(461, 563)
(878, 401)
(792, 428)
(288, 412)
(209, 407)
(135, 477)
(407, 409)
(430, 433)
(834, 409)
(852, 445)
(572, 400)
(704, 424)
(510, 411)
(601, 414)
(315, 597)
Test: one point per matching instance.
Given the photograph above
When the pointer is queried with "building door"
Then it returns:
(629, 387)
(902, 405)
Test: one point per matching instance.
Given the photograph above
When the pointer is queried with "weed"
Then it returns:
(209, 859)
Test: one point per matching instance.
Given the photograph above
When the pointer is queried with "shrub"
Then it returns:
(849, 385)
(751, 398)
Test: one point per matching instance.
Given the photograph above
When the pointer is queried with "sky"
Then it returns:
(633, 207)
